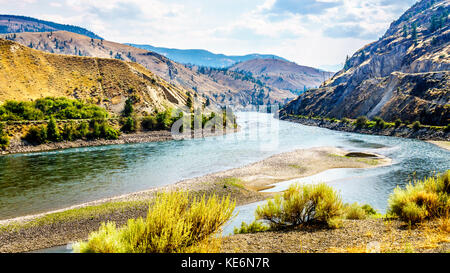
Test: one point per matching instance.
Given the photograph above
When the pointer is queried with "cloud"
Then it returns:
(350, 31)
(302, 7)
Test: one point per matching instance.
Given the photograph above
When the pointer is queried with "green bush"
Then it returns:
(36, 135)
(422, 200)
(43, 109)
(447, 128)
(53, 131)
(355, 212)
(129, 125)
(398, 122)
(361, 122)
(302, 205)
(416, 125)
(128, 109)
(380, 124)
(149, 123)
(4, 138)
(175, 223)
(253, 227)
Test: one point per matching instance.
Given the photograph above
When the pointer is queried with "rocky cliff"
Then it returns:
(405, 74)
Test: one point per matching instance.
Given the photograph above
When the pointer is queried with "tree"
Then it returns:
(189, 102)
(414, 32)
(405, 31)
(128, 109)
(347, 63)
(53, 131)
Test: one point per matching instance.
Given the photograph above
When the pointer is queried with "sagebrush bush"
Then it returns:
(302, 204)
(355, 212)
(380, 124)
(422, 200)
(253, 227)
(175, 223)
(36, 135)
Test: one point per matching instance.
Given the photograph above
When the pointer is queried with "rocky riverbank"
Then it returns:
(424, 133)
(242, 184)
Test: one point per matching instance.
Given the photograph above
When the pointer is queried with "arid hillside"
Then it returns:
(283, 74)
(28, 74)
(222, 88)
(405, 74)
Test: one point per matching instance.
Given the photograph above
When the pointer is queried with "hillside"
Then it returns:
(405, 74)
(283, 74)
(228, 89)
(17, 24)
(28, 74)
(200, 57)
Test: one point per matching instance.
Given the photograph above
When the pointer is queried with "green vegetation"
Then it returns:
(380, 124)
(4, 138)
(253, 227)
(96, 129)
(361, 122)
(422, 200)
(47, 108)
(129, 125)
(175, 223)
(303, 204)
(357, 212)
(416, 125)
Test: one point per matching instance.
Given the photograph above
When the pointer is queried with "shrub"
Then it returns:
(36, 135)
(253, 227)
(128, 109)
(380, 124)
(129, 125)
(83, 130)
(398, 122)
(447, 128)
(4, 138)
(149, 123)
(46, 108)
(416, 125)
(355, 212)
(302, 205)
(361, 122)
(175, 223)
(422, 200)
(345, 120)
(369, 210)
(53, 131)
(69, 132)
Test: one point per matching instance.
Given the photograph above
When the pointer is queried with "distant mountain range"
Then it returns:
(202, 57)
(253, 79)
(405, 74)
(17, 24)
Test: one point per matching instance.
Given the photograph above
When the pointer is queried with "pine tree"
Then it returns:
(414, 32)
(405, 31)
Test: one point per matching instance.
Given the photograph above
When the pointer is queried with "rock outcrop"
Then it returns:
(405, 74)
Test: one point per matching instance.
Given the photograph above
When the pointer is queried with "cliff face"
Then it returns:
(405, 74)
(28, 74)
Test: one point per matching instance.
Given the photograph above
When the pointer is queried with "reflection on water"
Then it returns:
(32, 183)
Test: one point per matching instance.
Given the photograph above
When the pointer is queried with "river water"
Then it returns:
(39, 182)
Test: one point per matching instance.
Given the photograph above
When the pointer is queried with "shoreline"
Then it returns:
(442, 144)
(425, 134)
(20, 147)
(243, 184)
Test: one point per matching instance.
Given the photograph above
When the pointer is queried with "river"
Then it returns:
(39, 182)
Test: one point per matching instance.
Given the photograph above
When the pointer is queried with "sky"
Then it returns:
(317, 33)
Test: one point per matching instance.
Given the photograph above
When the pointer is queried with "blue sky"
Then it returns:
(317, 33)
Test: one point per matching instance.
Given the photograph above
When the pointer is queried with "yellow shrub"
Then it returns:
(175, 223)
(302, 204)
(422, 200)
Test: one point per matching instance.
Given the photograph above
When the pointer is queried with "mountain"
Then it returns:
(17, 24)
(220, 86)
(200, 57)
(283, 74)
(405, 74)
(28, 74)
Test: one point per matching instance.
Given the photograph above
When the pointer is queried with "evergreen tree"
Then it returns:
(405, 31)
(414, 32)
